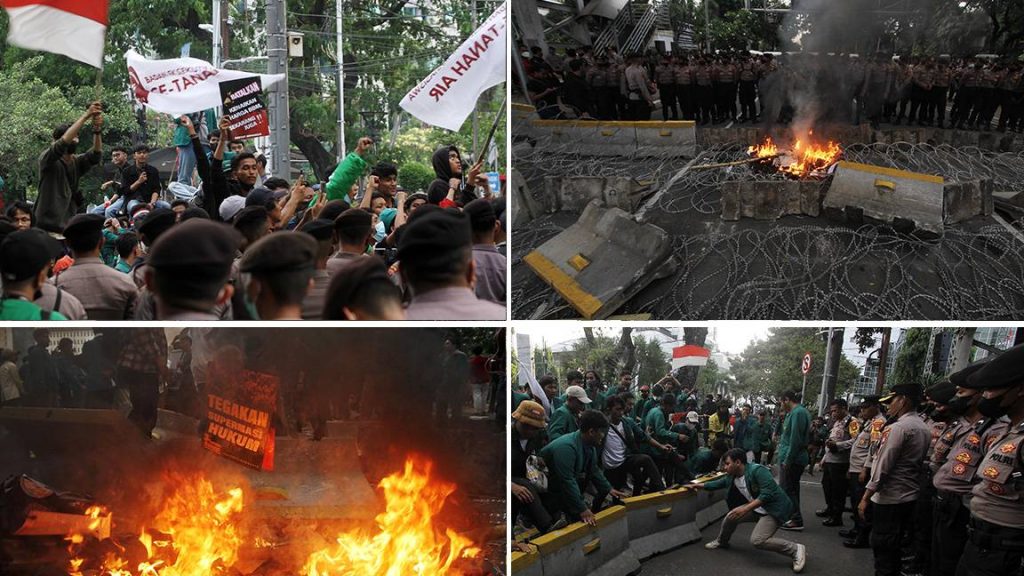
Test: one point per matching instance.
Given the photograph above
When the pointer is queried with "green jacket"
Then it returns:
(658, 427)
(563, 421)
(344, 176)
(753, 435)
(793, 439)
(571, 464)
(762, 487)
(701, 462)
(15, 309)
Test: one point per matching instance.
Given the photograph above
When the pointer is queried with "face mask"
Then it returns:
(250, 307)
(990, 408)
(959, 405)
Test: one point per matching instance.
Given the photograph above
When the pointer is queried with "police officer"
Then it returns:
(894, 484)
(106, 293)
(25, 260)
(836, 463)
(704, 92)
(956, 457)
(684, 87)
(922, 79)
(748, 92)
(940, 89)
(188, 270)
(597, 78)
(871, 424)
(664, 75)
(280, 266)
(995, 545)
(323, 232)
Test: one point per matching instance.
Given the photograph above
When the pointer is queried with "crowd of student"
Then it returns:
(934, 478)
(245, 245)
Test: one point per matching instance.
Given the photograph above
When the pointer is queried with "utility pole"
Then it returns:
(277, 63)
(218, 27)
(833, 353)
(883, 360)
(338, 5)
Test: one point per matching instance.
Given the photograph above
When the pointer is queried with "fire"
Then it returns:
(194, 534)
(408, 542)
(765, 150)
(803, 159)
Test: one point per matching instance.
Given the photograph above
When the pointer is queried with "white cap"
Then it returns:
(230, 206)
(577, 392)
(692, 416)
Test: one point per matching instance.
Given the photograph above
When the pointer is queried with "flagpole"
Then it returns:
(494, 126)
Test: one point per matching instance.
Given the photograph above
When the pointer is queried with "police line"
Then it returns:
(642, 527)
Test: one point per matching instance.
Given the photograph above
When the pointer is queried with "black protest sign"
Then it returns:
(243, 105)
(239, 411)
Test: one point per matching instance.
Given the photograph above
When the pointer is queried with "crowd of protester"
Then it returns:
(224, 240)
(932, 476)
(745, 87)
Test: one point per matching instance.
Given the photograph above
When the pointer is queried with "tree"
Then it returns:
(687, 375)
(769, 367)
(712, 378)
(912, 357)
(653, 362)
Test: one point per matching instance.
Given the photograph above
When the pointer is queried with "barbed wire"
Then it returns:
(797, 267)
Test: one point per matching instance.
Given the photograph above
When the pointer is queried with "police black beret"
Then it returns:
(25, 252)
(481, 215)
(198, 246)
(319, 229)
(1006, 369)
(942, 392)
(82, 224)
(156, 223)
(912, 389)
(280, 252)
(961, 378)
(437, 231)
(353, 219)
(250, 215)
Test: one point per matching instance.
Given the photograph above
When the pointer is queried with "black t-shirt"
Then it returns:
(145, 191)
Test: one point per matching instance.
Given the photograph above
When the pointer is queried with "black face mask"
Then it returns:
(959, 405)
(990, 408)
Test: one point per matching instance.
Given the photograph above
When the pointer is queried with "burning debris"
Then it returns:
(409, 540)
(803, 160)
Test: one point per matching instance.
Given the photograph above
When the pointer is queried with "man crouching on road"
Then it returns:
(763, 502)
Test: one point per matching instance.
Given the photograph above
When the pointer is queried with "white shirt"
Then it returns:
(741, 485)
(614, 447)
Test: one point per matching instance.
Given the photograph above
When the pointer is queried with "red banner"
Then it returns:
(243, 105)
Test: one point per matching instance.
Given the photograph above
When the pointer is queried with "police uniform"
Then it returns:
(940, 89)
(995, 545)
(664, 76)
(313, 306)
(597, 77)
(834, 479)
(704, 93)
(922, 80)
(684, 89)
(967, 85)
(859, 454)
(195, 257)
(105, 293)
(895, 483)
(748, 92)
(279, 253)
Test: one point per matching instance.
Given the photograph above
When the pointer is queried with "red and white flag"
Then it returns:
(447, 96)
(74, 28)
(689, 355)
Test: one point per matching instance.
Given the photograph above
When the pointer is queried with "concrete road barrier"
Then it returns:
(888, 195)
(581, 550)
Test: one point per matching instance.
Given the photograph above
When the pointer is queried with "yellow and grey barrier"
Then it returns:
(642, 527)
(616, 138)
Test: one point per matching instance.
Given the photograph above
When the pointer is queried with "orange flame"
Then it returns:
(767, 149)
(408, 542)
(203, 535)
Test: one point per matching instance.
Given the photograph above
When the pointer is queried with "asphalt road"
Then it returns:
(825, 551)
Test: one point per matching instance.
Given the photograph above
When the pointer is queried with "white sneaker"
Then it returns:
(716, 544)
(800, 558)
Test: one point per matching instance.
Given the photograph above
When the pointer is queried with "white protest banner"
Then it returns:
(447, 96)
(182, 85)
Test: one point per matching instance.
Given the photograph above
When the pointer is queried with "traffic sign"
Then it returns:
(805, 366)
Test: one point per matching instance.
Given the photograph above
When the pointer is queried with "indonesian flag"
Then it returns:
(448, 95)
(689, 355)
(74, 28)
(182, 85)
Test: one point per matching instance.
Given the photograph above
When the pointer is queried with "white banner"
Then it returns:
(181, 85)
(447, 96)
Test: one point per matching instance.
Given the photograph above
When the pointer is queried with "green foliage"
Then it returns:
(652, 360)
(910, 361)
(467, 338)
(769, 367)
(415, 176)
(33, 109)
(712, 377)
(585, 356)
